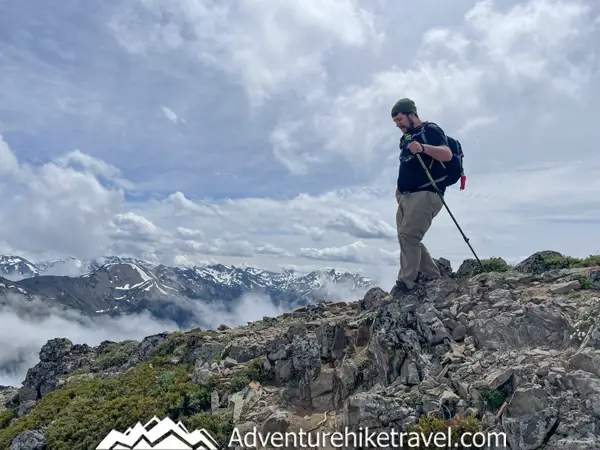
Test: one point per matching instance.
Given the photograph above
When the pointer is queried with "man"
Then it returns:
(418, 201)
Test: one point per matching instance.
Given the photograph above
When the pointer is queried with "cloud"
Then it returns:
(287, 155)
(8, 161)
(254, 42)
(25, 326)
(58, 208)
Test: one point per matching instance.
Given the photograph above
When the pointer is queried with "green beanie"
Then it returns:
(404, 105)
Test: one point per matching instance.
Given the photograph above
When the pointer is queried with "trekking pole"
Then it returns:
(449, 212)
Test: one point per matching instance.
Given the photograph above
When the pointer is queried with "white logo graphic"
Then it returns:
(165, 435)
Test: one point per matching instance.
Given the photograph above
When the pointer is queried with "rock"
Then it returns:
(278, 422)
(58, 357)
(538, 262)
(432, 327)
(229, 362)
(29, 440)
(206, 353)
(564, 288)
(588, 360)
(373, 297)
(202, 376)
(8, 396)
(444, 266)
(384, 364)
(321, 390)
(498, 378)
(459, 333)
(214, 401)
(468, 268)
(374, 411)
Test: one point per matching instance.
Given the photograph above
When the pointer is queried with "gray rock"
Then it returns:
(444, 266)
(538, 264)
(565, 288)
(468, 268)
(278, 422)
(29, 440)
(432, 327)
(373, 297)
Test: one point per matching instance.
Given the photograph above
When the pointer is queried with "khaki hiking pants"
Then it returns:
(415, 214)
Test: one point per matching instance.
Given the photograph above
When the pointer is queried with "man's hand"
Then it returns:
(416, 147)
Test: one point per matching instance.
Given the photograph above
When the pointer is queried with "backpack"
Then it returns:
(454, 168)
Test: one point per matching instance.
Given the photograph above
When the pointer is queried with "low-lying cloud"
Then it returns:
(25, 326)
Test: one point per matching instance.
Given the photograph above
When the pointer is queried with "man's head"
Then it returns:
(404, 114)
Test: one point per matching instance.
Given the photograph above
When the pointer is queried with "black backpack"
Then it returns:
(454, 169)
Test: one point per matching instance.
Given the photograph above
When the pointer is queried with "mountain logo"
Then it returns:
(159, 435)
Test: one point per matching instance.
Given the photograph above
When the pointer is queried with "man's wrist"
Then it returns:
(422, 148)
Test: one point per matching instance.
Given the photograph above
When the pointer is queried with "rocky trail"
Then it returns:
(516, 351)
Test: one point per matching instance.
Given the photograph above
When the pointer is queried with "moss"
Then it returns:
(430, 426)
(79, 416)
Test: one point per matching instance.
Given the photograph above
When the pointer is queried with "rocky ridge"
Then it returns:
(515, 351)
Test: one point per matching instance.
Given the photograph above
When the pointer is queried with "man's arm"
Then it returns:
(437, 146)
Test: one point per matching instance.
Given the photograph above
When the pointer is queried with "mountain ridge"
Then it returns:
(117, 286)
(510, 352)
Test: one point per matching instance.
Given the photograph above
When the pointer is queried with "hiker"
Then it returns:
(418, 201)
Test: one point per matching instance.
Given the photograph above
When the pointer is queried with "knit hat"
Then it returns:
(404, 105)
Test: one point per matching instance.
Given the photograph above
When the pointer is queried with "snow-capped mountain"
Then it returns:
(16, 268)
(116, 286)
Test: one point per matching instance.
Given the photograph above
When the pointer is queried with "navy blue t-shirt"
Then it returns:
(411, 175)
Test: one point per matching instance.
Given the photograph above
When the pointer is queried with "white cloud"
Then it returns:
(309, 176)
(25, 327)
(8, 161)
(267, 47)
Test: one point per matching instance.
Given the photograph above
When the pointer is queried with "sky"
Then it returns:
(194, 132)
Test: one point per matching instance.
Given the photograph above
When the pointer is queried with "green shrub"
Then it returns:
(238, 383)
(6, 416)
(569, 262)
(79, 416)
(585, 282)
(116, 354)
(430, 426)
(254, 371)
(493, 398)
(493, 265)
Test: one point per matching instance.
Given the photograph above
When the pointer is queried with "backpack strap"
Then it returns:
(422, 133)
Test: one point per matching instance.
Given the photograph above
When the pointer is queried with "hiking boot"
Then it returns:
(400, 289)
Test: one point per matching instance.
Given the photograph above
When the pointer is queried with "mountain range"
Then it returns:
(113, 286)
